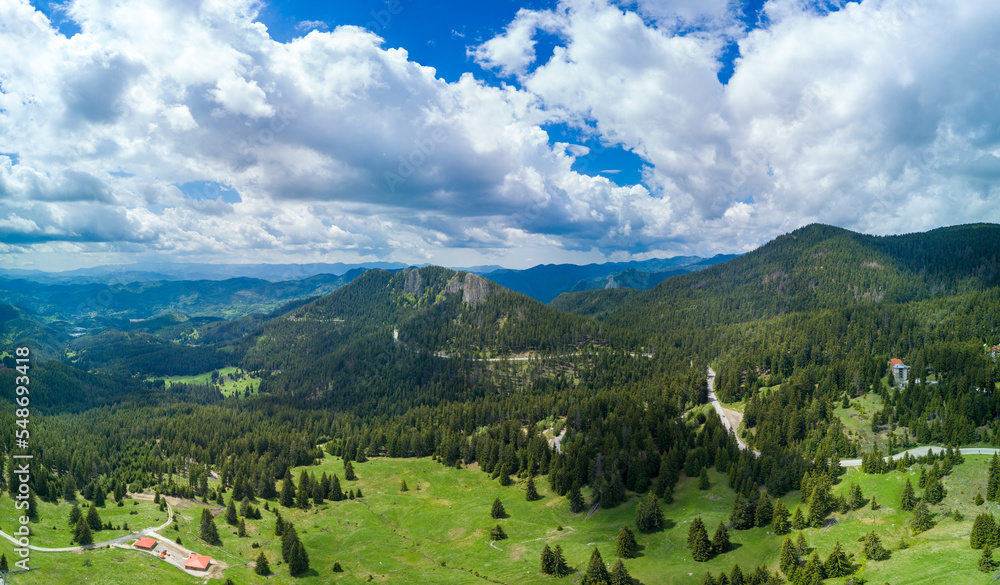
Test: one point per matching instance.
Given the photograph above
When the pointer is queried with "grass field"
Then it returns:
(437, 532)
(227, 382)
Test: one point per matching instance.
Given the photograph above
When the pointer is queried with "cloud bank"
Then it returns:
(334, 146)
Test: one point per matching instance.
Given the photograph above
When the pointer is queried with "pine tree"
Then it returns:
(619, 574)
(287, 491)
(279, 524)
(627, 546)
(873, 549)
(74, 515)
(298, 560)
(548, 561)
(765, 510)
(720, 540)
(993, 479)
(530, 493)
(779, 519)
(837, 564)
(708, 579)
(908, 499)
(319, 492)
(789, 557)
(562, 568)
(69, 487)
(934, 492)
(648, 514)
(208, 531)
(986, 562)
(921, 518)
(336, 493)
(736, 576)
(576, 503)
(349, 471)
(979, 500)
(743, 515)
(403, 487)
(597, 572)
(83, 535)
(498, 512)
(4, 567)
(701, 547)
(262, 568)
(798, 521)
(288, 540)
(497, 533)
(813, 571)
(703, 483)
(856, 499)
(801, 546)
(231, 517)
(820, 502)
(982, 529)
(94, 519)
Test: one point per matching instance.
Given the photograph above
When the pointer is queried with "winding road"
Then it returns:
(916, 451)
(723, 415)
(921, 451)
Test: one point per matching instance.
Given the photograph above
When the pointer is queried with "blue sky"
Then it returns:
(510, 133)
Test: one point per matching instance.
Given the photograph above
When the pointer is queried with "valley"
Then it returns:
(436, 392)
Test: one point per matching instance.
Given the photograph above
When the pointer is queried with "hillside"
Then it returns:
(547, 281)
(815, 267)
(393, 333)
(810, 321)
(19, 328)
(101, 305)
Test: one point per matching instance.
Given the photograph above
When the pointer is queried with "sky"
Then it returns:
(503, 133)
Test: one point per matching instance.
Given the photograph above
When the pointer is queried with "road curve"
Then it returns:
(714, 401)
(922, 451)
(113, 541)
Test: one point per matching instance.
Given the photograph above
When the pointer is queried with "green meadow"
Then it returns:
(438, 532)
(227, 382)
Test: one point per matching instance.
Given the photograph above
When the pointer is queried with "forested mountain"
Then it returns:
(823, 309)
(102, 305)
(547, 281)
(17, 327)
(434, 362)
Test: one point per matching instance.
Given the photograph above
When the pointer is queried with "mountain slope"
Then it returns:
(815, 267)
(143, 300)
(546, 281)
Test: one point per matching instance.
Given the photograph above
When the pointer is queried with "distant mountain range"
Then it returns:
(547, 281)
(152, 271)
(543, 282)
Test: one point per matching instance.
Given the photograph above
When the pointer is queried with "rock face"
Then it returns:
(475, 289)
(414, 282)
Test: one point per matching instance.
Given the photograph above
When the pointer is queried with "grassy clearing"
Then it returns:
(52, 529)
(437, 532)
(227, 382)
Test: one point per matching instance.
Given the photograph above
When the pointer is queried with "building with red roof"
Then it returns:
(900, 371)
(145, 543)
(197, 562)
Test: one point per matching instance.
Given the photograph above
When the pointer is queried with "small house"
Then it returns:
(900, 371)
(197, 562)
(145, 543)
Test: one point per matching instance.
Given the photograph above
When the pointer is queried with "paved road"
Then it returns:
(113, 541)
(714, 401)
(921, 451)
